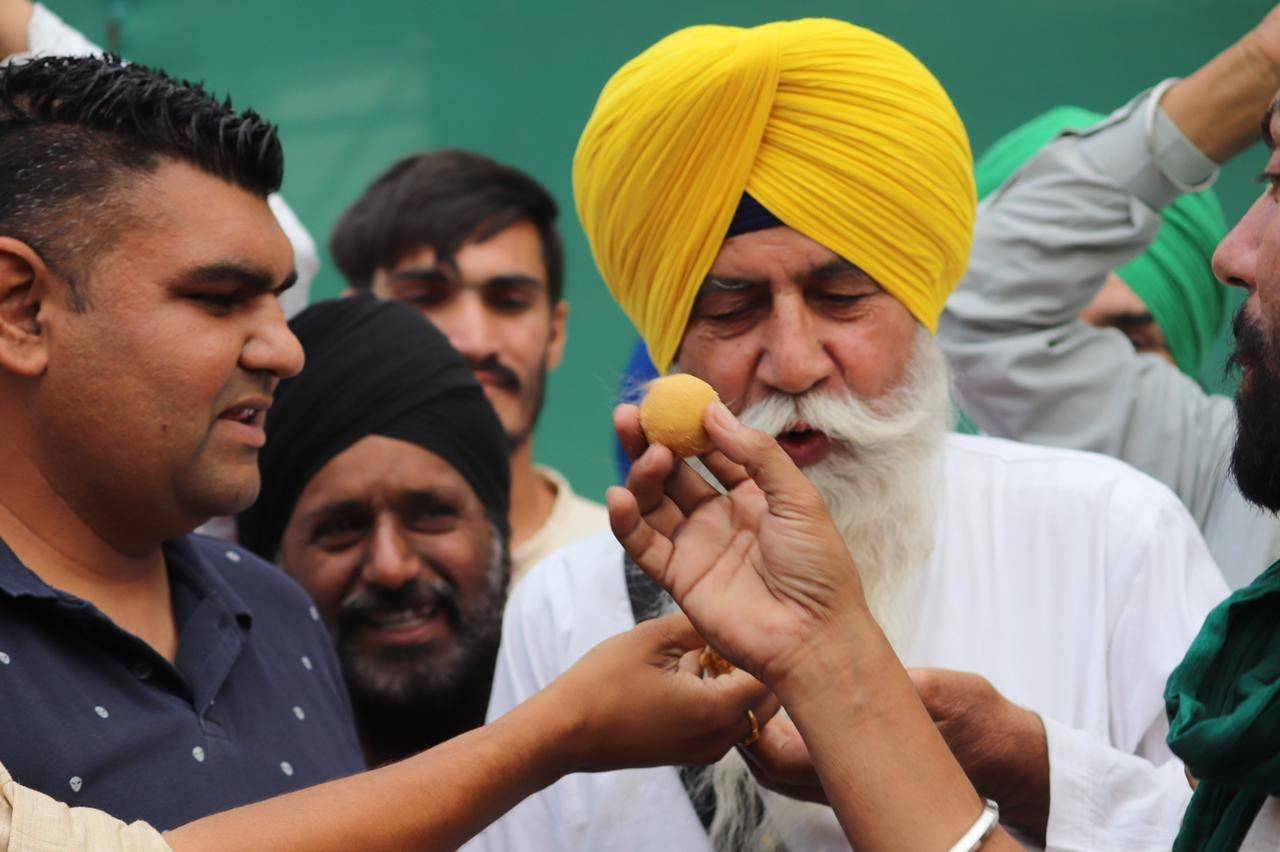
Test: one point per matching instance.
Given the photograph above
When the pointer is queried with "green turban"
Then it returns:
(1173, 277)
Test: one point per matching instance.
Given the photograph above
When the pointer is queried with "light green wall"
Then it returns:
(355, 85)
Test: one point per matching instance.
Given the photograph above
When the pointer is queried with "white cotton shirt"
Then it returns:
(1071, 581)
(572, 519)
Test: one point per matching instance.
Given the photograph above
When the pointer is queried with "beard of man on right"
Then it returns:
(1255, 460)
(880, 484)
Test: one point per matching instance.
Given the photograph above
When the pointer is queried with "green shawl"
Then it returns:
(1223, 702)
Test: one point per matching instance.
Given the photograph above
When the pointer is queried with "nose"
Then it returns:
(794, 359)
(389, 561)
(466, 323)
(272, 347)
(1235, 261)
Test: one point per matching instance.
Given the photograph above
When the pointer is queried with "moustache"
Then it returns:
(421, 595)
(1250, 348)
(497, 372)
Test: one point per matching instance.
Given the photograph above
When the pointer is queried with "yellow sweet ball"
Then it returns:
(671, 414)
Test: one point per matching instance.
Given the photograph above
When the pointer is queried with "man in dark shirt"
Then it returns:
(152, 673)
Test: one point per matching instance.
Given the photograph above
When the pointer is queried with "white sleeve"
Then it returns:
(1130, 793)
(1102, 799)
(529, 658)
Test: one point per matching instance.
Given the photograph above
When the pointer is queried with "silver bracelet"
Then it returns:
(980, 830)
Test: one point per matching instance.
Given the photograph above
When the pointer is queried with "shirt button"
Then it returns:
(142, 670)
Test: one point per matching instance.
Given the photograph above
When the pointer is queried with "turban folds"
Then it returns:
(373, 368)
(839, 132)
(1174, 276)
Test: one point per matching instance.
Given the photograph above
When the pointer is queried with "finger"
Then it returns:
(647, 480)
(687, 489)
(765, 462)
(802, 792)
(691, 662)
(626, 422)
(740, 689)
(647, 547)
(782, 754)
(676, 633)
(730, 474)
(766, 709)
(648, 476)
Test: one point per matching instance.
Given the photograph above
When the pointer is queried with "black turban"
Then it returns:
(373, 368)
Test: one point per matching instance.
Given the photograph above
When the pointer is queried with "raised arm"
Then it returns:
(1028, 368)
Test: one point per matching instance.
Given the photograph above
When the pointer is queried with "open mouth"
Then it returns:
(247, 414)
(804, 444)
(404, 626)
(247, 419)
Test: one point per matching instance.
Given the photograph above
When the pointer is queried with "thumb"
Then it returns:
(765, 461)
(675, 632)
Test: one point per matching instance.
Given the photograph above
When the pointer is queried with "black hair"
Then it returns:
(441, 200)
(72, 129)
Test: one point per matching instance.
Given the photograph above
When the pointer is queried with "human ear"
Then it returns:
(22, 338)
(559, 334)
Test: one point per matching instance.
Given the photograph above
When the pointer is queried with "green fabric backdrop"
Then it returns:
(355, 85)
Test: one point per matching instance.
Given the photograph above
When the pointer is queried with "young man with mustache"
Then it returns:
(473, 245)
(807, 207)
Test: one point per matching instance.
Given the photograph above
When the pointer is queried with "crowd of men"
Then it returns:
(1022, 637)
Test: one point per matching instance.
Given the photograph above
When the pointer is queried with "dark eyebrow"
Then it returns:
(337, 509)
(426, 500)
(421, 273)
(437, 274)
(1267, 138)
(1133, 320)
(515, 279)
(248, 277)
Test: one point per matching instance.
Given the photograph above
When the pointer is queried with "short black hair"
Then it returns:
(73, 129)
(441, 200)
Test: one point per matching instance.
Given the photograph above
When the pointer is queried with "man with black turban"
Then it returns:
(385, 485)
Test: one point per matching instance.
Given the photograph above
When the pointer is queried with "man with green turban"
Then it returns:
(1089, 303)
(1180, 307)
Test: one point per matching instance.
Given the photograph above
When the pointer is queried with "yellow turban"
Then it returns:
(837, 131)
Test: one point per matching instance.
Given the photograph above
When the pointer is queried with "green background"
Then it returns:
(355, 85)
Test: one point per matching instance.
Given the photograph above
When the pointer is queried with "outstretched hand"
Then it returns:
(643, 701)
(760, 569)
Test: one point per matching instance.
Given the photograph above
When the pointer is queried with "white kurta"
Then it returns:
(1071, 581)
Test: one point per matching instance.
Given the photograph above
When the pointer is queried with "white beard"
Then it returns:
(880, 482)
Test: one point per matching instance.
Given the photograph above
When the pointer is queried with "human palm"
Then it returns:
(759, 568)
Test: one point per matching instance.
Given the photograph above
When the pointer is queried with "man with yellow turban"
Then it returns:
(1089, 303)
(782, 211)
